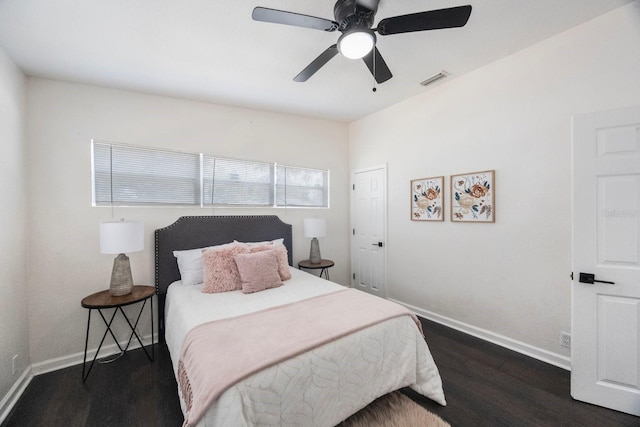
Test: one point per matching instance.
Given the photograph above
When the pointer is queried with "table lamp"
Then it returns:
(118, 237)
(314, 228)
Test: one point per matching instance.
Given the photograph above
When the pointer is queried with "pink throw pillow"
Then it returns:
(219, 269)
(281, 253)
(258, 271)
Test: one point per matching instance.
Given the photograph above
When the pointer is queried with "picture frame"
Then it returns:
(473, 197)
(427, 199)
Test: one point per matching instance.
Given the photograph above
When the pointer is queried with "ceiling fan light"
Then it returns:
(356, 44)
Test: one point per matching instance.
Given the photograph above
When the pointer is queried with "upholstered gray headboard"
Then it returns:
(190, 232)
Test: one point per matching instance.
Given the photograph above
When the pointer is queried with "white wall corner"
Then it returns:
(14, 394)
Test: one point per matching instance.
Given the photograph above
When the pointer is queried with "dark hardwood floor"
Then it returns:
(131, 391)
(488, 385)
(485, 385)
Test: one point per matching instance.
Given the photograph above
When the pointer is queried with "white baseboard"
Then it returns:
(11, 398)
(77, 358)
(555, 359)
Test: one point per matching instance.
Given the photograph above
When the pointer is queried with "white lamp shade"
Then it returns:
(315, 227)
(119, 237)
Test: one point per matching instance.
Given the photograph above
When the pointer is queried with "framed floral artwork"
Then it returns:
(427, 199)
(473, 197)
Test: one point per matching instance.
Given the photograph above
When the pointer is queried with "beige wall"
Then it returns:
(509, 280)
(66, 262)
(14, 325)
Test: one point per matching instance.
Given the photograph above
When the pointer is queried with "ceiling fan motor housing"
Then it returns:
(350, 14)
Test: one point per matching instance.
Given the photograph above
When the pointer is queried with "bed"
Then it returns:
(321, 385)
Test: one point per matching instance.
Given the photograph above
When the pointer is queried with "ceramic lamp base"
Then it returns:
(121, 280)
(314, 253)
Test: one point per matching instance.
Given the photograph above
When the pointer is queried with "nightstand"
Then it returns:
(104, 300)
(324, 266)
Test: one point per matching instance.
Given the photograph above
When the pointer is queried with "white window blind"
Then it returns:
(297, 186)
(237, 182)
(125, 175)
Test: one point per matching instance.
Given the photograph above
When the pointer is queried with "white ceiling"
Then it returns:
(211, 50)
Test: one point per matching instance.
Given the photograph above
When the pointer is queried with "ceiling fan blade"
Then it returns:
(378, 67)
(290, 18)
(316, 64)
(431, 20)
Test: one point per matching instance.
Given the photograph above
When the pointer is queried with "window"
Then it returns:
(237, 182)
(125, 175)
(302, 187)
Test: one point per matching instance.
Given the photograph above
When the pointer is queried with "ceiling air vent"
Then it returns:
(441, 75)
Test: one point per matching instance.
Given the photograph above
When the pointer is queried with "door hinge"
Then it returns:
(354, 186)
(354, 276)
(354, 231)
(572, 275)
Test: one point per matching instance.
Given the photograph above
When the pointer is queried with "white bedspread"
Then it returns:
(321, 387)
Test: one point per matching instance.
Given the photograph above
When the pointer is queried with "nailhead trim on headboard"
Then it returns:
(190, 232)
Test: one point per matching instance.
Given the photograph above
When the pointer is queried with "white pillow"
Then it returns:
(268, 242)
(190, 264)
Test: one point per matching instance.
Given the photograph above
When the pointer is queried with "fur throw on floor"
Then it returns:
(394, 410)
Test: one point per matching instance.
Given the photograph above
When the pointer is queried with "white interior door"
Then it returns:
(369, 203)
(605, 357)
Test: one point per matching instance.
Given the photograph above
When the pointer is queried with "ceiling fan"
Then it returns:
(354, 19)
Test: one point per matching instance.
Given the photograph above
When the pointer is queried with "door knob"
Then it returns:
(379, 244)
(591, 278)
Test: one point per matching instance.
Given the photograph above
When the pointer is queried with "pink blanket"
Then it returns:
(218, 354)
